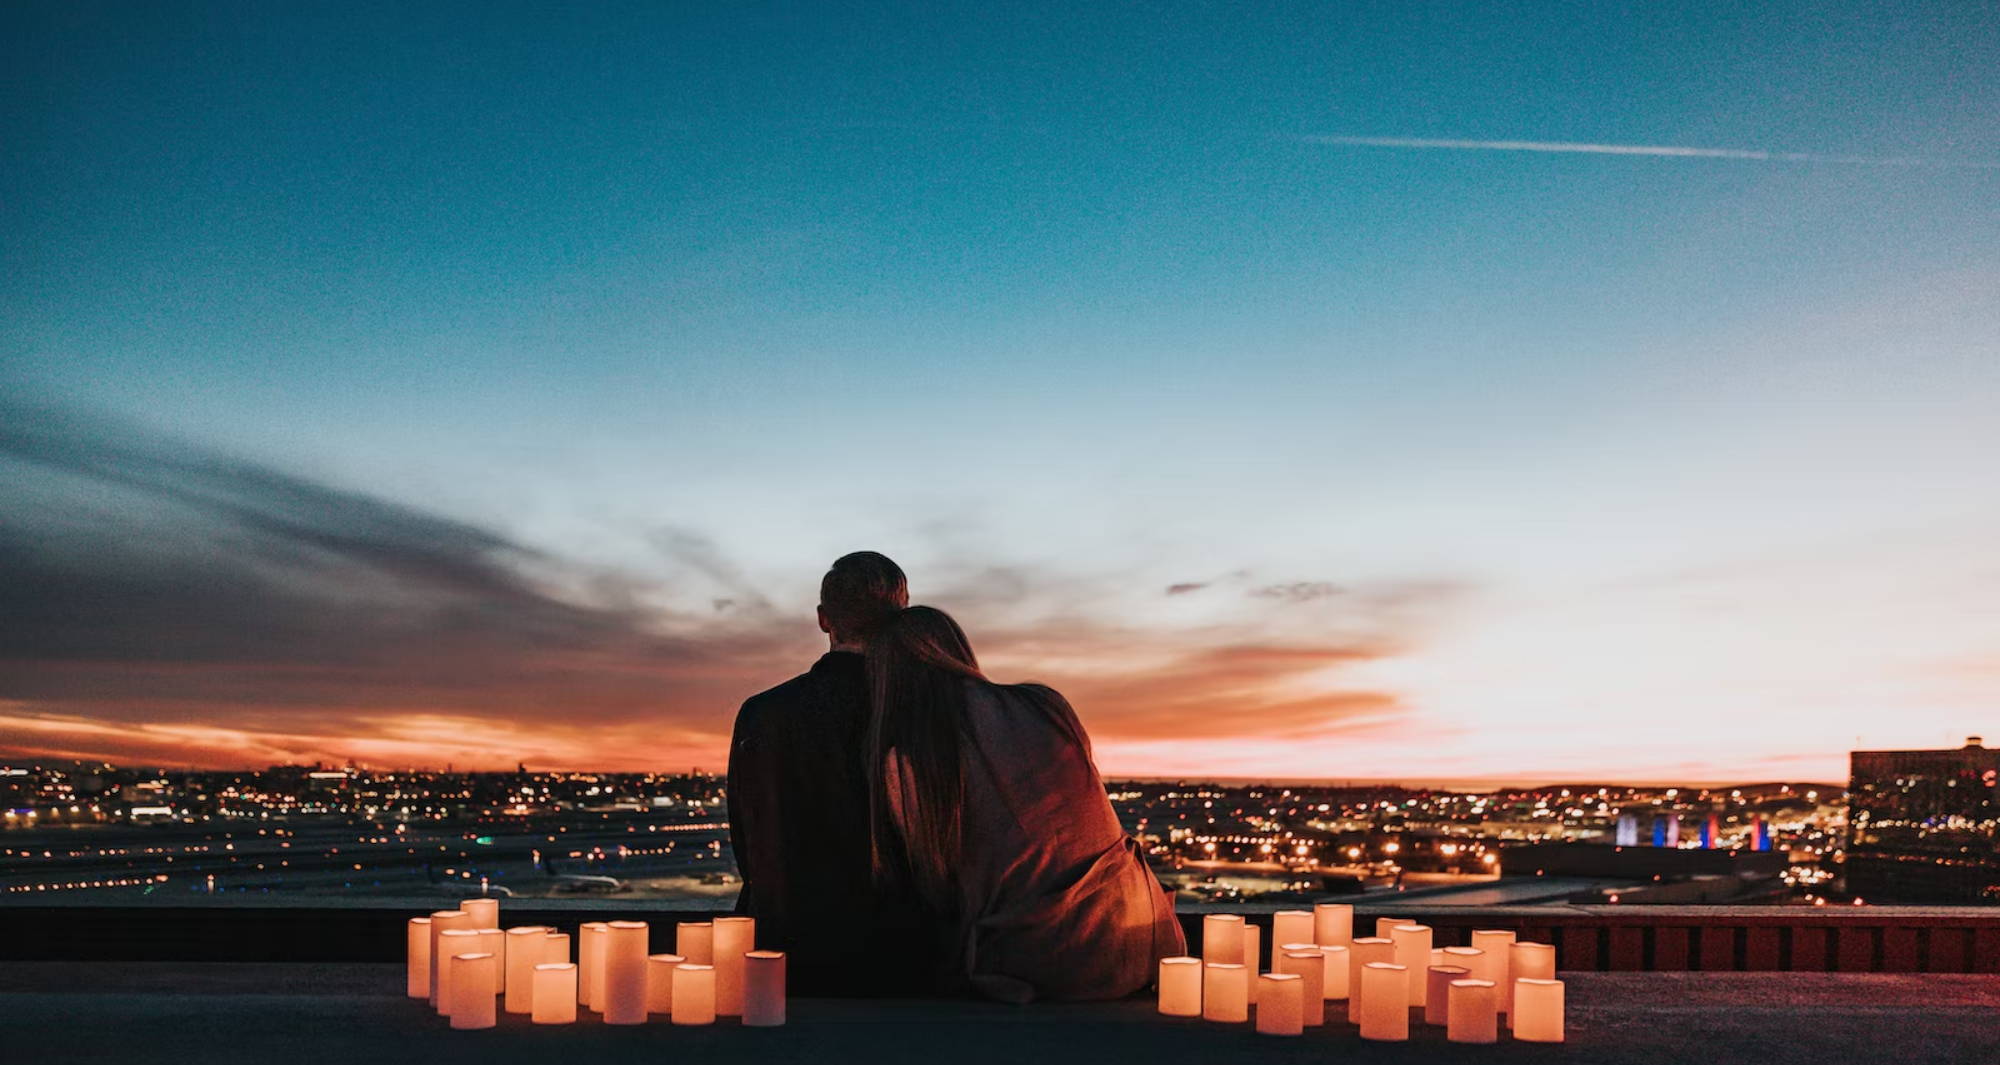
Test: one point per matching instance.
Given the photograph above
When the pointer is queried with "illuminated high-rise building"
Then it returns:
(1924, 826)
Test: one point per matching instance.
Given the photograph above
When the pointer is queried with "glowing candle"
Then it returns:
(1538, 1010)
(660, 982)
(1253, 953)
(1439, 978)
(1334, 987)
(1292, 926)
(1464, 956)
(485, 912)
(1180, 987)
(1472, 1006)
(555, 993)
(524, 952)
(1366, 951)
(1304, 961)
(590, 937)
(623, 959)
(493, 941)
(471, 990)
(555, 948)
(451, 942)
(1437, 956)
(1413, 953)
(1279, 999)
(731, 938)
(1383, 925)
(694, 994)
(763, 989)
(442, 921)
(1534, 961)
(1222, 939)
(1493, 962)
(1225, 994)
(1333, 924)
(1385, 1001)
(417, 957)
(695, 941)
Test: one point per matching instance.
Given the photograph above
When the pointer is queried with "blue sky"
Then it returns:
(1063, 308)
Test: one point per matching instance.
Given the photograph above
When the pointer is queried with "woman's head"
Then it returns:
(919, 639)
(918, 665)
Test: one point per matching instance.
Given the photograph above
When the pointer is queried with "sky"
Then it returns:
(1376, 390)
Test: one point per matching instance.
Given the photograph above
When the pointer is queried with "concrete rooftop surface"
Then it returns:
(298, 1014)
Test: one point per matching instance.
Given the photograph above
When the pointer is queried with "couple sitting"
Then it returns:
(904, 825)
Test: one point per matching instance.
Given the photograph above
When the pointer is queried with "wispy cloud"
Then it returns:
(1665, 150)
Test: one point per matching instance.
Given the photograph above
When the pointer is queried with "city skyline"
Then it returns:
(1337, 395)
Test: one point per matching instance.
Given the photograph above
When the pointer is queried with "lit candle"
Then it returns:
(764, 988)
(1538, 1010)
(694, 994)
(555, 948)
(1222, 938)
(555, 993)
(485, 912)
(1439, 978)
(1253, 952)
(660, 982)
(471, 995)
(1472, 1006)
(417, 957)
(451, 942)
(1385, 1001)
(493, 941)
(1279, 1000)
(590, 937)
(1366, 951)
(1180, 987)
(1493, 946)
(694, 940)
(623, 992)
(1224, 992)
(1413, 953)
(731, 938)
(1333, 924)
(1292, 926)
(1534, 961)
(442, 921)
(524, 952)
(1466, 956)
(1383, 925)
(1437, 956)
(1334, 987)
(1304, 961)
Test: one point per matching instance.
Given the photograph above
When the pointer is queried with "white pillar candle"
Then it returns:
(590, 937)
(1280, 997)
(1465, 956)
(1366, 951)
(555, 948)
(451, 942)
(1385, 1001)
(471, 990)
(1473, 1015)
(694, 940)
(417, 957)
(1333, 924)
(1413, 953)
(1535, 961)
(623, 993)
(1222, 939)
(1439, 978)
(694, 994)
(1291, 926)
(441, 922)
(1309, 965)
(1493, 962)
(1224, 994)
(493, 941)
(660, 982)
(1384, 924)
(1437, 956)
(1180, 987)
(555, 993)
(731, 938)
(485, 912)
(1334, 987)
(764, 989)
(1538, 1010)
(524, 952)
(1253, 951)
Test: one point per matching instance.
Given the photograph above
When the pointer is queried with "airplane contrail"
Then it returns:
(1671, 150)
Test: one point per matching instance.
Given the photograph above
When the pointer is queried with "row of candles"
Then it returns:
(1381, 979)
(470, 970)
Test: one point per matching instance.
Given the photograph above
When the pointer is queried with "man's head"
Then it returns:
(857, 594)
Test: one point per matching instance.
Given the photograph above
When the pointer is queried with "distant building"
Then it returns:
(1924, 826)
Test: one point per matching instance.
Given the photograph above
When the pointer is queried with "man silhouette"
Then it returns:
(798, 804)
